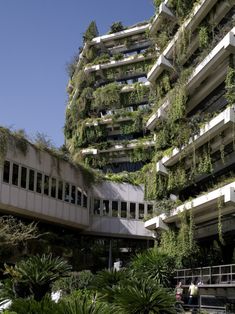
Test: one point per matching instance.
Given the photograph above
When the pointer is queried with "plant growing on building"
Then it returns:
(116, 27)
(230, 85)
(91, 32)
(203, 37)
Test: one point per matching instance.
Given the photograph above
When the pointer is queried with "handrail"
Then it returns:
(212, 275)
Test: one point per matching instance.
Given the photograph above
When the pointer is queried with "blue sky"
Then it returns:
(37, 39)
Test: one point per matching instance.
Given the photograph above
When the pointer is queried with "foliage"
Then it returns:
(203, 37)
(42, 141)
(103, 58)
(31, 306)
(107, 97)
(116, 27)
(91, 32)
(142, 296)
(153, 264)
(4, 136)
(36, 274)
(230, 85)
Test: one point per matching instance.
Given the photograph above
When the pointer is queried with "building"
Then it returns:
(152, 103)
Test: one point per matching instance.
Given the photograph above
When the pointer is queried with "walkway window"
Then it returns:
(114, 208)
(73, 194)
(105, 207)
(53, 187)
(39, 183)
(141, 211)
(6, 172)
(31, 180)
(46, 185)
(132, 210)
(123, 209)
(15, 174)
(66, 194)
(79, 197)
(23, 177)
(60, 190)
(96, 206)
(84, 201)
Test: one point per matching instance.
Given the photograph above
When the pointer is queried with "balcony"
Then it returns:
(222, 121)
(112, 64)
(163, 13)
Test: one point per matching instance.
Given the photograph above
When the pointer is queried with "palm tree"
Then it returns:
(36, 275)
(143, 296)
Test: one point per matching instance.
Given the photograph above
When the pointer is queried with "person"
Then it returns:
(179, 291)
(193, 293)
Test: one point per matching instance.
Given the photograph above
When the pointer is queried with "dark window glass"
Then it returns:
(114, 208)
(66, 195)
(23, 177)
(96, 206)
(31, 180)
(39, 183)
(79, 197)
(132, 210)
(84, 201)
(15, 174)
(53, 187)
(60, 190)
(106, 207)
(73, 193)
(6, 171)
(123, 209)
(141, 211)
(46, 185)
(150, 209)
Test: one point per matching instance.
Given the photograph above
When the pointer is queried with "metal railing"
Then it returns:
(213, 275)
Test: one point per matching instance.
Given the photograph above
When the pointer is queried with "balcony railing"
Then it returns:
(214, 275)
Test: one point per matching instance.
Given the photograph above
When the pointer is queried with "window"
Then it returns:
(150, 209)
(73, 194)
(31, 180)
(114, 208)
(39, 183)
(123, 209)
(141, 211)
(15, 174)
(23, 177)
(6, 172)
(84, 201)
(96, 206)
(66, 195)
(53, 187)
(132, 210)
(46, 185)
(105, 207)
(79, 197)
(60, 190)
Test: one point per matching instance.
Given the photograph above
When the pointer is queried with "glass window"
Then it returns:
(114, 208)
(60, 190)
(23, 177)
(46, 185)
(96, 206)
(6, 171)
(73, 194)
(79, 197)
(66, 195)
(132, 210)
(141, 211)
(15, 174)
(106, 207)
(53, 187)
(123, 209)
(84, 201)
(150, 209)
(39, 183)
(31, 180)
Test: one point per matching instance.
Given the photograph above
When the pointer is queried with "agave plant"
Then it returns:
(143, 296)
(37, 274)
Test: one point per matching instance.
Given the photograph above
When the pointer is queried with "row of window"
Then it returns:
(38, 182)
(121, 209)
